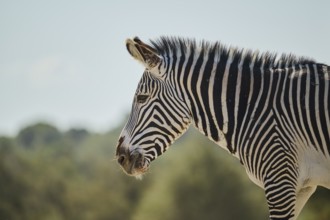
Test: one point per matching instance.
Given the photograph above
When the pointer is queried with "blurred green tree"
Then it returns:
(40, 133)
(74, 175)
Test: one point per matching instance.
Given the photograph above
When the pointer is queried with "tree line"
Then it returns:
(49, 174)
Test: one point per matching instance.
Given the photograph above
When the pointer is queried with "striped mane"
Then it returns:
(170, 46)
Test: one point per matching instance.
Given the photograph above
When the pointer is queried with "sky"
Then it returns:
(65, 62)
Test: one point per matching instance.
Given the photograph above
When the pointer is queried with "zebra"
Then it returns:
(269, 111)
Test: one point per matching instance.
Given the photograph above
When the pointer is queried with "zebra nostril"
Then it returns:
(121, 159)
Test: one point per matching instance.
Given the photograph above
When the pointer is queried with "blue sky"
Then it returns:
(65, 62)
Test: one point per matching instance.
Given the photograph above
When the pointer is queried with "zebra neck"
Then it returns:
(218, 89)
(235, 95)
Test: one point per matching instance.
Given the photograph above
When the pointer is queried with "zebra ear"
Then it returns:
(144, 53)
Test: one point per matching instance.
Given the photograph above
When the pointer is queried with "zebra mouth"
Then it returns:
(138, 164)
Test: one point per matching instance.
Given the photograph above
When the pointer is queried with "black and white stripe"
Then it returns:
(266, 110)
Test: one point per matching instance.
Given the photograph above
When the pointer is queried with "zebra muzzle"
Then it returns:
(133, 163)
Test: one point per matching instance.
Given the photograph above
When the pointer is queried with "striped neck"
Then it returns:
(219, 83)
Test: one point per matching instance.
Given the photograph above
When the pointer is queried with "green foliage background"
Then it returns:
(49, 174)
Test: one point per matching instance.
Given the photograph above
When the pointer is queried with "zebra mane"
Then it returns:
(169, 46)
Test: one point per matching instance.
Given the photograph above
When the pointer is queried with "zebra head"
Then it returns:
(158, 116)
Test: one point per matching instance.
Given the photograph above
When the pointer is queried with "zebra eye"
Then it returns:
(142, 98)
